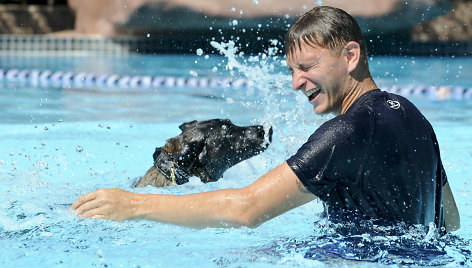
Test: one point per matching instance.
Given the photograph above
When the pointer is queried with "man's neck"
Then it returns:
(357, 89)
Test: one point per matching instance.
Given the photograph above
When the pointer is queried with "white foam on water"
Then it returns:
(297, 259)
(8, 224)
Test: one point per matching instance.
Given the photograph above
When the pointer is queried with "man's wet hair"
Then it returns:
(326, 27)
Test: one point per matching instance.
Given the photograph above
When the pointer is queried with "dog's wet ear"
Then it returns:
(172, 146)
(188, 124)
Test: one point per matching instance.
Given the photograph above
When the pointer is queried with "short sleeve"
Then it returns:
(329, 157)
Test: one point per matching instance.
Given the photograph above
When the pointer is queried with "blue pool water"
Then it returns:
(59, 143)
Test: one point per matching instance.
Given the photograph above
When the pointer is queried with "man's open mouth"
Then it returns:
(312, 93)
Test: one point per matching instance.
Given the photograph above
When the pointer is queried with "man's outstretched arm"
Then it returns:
(271, 195)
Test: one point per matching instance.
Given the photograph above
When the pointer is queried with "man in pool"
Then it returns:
(377, 159)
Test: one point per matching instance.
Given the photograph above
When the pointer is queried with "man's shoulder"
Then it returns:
(344, 126)
(389, 101)
(343, 122)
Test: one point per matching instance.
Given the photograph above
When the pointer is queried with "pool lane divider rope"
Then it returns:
(47, 78)
(87, 80)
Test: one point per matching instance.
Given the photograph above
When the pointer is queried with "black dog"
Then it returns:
(204, 149)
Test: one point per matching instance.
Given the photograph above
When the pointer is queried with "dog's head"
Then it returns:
(207, 148)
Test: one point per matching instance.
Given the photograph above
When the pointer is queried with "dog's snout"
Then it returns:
(264, 133)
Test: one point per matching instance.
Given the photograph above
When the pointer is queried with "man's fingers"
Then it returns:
(100, 217)
(94, 213)
(84, 199)
(88, 206)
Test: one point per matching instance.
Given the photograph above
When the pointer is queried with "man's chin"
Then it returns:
(320, 111)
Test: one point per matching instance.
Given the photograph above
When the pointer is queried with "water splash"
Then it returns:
(265, 73)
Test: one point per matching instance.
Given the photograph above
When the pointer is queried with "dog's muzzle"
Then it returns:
(169, 168)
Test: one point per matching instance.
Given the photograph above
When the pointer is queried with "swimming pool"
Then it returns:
(59, 143)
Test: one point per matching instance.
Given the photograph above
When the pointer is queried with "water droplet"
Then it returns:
(199, 51)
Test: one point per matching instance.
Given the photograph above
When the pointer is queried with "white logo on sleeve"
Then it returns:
(393, 104)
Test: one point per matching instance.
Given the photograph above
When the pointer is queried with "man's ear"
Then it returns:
(352, 52)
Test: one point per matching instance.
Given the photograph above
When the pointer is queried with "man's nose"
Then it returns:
(298, 81)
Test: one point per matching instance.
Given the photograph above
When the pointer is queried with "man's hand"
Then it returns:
(110, 204)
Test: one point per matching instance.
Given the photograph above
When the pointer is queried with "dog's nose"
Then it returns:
(262, 132)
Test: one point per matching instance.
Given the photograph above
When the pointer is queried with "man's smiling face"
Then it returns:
(321, 75)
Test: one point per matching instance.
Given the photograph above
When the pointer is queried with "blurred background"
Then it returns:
(418, 27)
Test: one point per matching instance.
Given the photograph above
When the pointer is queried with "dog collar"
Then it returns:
(169, 168)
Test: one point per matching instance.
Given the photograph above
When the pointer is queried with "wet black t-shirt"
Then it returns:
(379, 160)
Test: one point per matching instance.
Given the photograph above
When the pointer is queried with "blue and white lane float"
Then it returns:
(47, 78)
(88, 80)
(438, 92)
